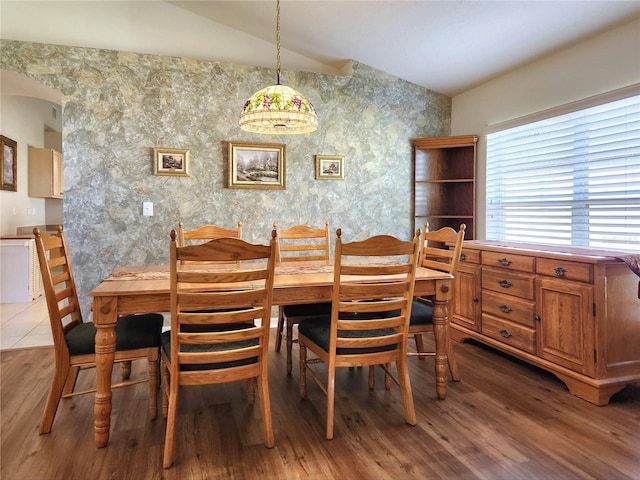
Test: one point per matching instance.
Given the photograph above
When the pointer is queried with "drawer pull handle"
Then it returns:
(505, 333)
(505, 262)
(463, 257)
(505, 283)
(560, 271)
(505, 308)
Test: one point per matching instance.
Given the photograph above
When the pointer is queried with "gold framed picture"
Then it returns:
(329, 167)
(171, 161)
(257, 165)
(9, 174)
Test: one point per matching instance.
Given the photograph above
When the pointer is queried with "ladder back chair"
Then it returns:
(205, 233)
(137, 336)
(441, 251)
(298, 244)
(369, 319)
(230, 345)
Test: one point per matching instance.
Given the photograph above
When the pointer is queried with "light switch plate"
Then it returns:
(147, 209)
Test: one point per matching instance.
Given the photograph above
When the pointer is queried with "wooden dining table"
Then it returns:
(145, 289)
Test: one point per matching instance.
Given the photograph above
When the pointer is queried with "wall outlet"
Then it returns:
(147, 209)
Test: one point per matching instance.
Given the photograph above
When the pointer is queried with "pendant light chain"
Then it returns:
(278, 39)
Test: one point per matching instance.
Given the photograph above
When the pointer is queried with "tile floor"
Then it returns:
(27, 324)
(24, 324)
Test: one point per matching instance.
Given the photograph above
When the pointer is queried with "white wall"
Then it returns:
(601, 64)
(23, 119)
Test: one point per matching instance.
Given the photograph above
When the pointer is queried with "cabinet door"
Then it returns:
(56, 174)
(565, 331)
(465, 308)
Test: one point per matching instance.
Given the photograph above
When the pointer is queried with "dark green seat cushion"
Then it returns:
(132, 332)
(307, 309)
(421, 314)
(166, 347)
(318, 330)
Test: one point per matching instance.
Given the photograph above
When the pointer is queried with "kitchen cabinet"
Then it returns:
(45, 173)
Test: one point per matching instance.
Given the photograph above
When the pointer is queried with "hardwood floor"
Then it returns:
(504, 420)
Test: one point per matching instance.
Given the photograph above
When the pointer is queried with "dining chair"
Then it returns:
(204, 233)
(360, 331)
(298, 244)
(230, 345)
(137, 336)
(207, 232)
(441, 251)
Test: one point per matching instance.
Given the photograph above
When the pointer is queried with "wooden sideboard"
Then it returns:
(574, 312)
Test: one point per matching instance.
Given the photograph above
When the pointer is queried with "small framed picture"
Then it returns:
(257, 165)
(9, 152)
(171, 161)
(329, 167)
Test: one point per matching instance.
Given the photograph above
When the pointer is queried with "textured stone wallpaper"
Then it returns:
(118, 106)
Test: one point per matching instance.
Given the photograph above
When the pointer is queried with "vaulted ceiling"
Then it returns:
(446, 46)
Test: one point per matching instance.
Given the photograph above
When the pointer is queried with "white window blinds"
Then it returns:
(573, 179)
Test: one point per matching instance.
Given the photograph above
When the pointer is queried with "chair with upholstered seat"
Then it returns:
(441, 251)
(137, 336)
(361, 329)
(299, 244)
(204, 233)
(227, 344)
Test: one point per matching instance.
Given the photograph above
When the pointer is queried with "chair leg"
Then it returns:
(251, 391)
(303, 371)
(289, 328)
(405, 387)
(331, 395)
(372, 377)
(153, 385)
(53, 400)
(453, 364)
(165, 389)
(279, 328)
(419, 344)
(70, 383)
(387, 376)
(125, 370)
(265, 409)
(171, 424)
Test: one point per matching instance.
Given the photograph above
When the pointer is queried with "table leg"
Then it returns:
(441, 335)
(104, 318)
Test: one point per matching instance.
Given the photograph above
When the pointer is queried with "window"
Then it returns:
(571, 179)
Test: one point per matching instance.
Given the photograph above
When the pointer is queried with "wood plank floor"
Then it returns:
(504, 420)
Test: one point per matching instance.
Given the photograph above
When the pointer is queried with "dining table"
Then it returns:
(146, 289)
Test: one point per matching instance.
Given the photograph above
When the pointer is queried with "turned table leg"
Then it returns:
(441, 334)
(104, 318)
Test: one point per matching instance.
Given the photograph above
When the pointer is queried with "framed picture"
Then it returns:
(329, 167)
(171, 161)
(9, 152)
(257, 165)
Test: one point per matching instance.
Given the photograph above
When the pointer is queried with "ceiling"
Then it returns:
(446, 46)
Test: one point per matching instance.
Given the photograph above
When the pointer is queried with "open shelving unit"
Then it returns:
(444, 182)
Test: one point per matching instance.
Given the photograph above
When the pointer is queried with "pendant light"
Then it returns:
(278, 109)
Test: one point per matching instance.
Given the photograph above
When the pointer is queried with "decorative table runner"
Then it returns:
(164, 274)
(148, 275)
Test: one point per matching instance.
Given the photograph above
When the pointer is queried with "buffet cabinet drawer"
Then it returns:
(508, 283)
(510, 308)
(522, 263)
(581, 272)
(513, 334)
(470, 256)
